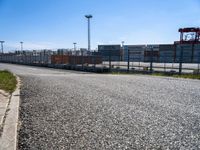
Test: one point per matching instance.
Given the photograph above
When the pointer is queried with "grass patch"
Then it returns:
(8, 81)
(120, 73)
(189, 76)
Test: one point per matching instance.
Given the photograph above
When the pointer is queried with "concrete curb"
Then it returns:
(3, 108)
(8, 140)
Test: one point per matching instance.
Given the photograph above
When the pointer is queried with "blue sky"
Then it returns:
(59, 23)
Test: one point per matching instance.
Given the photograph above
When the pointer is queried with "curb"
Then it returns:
(8, 139)
(3, 108)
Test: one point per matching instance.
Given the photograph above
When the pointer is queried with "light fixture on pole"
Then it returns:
(88, 18)
(2, 46)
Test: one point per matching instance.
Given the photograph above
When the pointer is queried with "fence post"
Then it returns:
(110, 60)
(139, 64)
(82, 58)
(151, 63)
(164, 66)
(128, 59)
(94, 63)
(181, 61)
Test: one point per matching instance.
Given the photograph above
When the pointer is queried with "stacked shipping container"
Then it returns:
(71, 59)
(196, 58)
(186, 54)
(136, 52)
(166, 53)
(110, 52)
(151, 53)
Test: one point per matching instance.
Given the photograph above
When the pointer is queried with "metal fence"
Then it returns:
(133, 64)
(148, 67)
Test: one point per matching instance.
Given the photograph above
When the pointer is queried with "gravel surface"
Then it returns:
(73, 110)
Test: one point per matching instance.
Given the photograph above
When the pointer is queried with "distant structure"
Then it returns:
(184, 50)
(123, 43)
(64, 51)
(187, 49)
(74, 46)
(189, 35)
(21, 45)
(110, 52)
(2, 46)
(88, 18)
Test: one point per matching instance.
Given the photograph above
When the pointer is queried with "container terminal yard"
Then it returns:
(100, 75)
(181, 57)
(68, 109)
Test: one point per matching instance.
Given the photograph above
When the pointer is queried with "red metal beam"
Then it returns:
(189, 30)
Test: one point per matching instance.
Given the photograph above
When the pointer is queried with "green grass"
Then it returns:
(8, 81)
(189, 76)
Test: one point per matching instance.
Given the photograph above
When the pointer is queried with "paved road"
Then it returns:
(74, 110)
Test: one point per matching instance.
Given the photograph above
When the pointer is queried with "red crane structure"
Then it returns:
(189, 35)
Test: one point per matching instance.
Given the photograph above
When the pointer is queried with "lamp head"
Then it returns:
(88, 16)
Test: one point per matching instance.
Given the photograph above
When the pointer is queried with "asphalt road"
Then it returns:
(73, 110)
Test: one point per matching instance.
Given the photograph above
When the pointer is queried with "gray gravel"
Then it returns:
(73, 110)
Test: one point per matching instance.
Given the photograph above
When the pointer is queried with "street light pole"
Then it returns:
(2, 46)
(21, 45)
(88, 18)
(74, 46)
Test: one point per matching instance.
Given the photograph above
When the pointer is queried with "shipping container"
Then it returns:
(155, 47)
(59, 59)
(187, 53)
(166, 47)
(136, 52)
(110, 52)
(75, 60)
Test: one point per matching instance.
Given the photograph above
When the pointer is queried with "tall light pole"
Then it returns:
(21, 45)
(88, 18)
(2, 46)
(74, 46)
